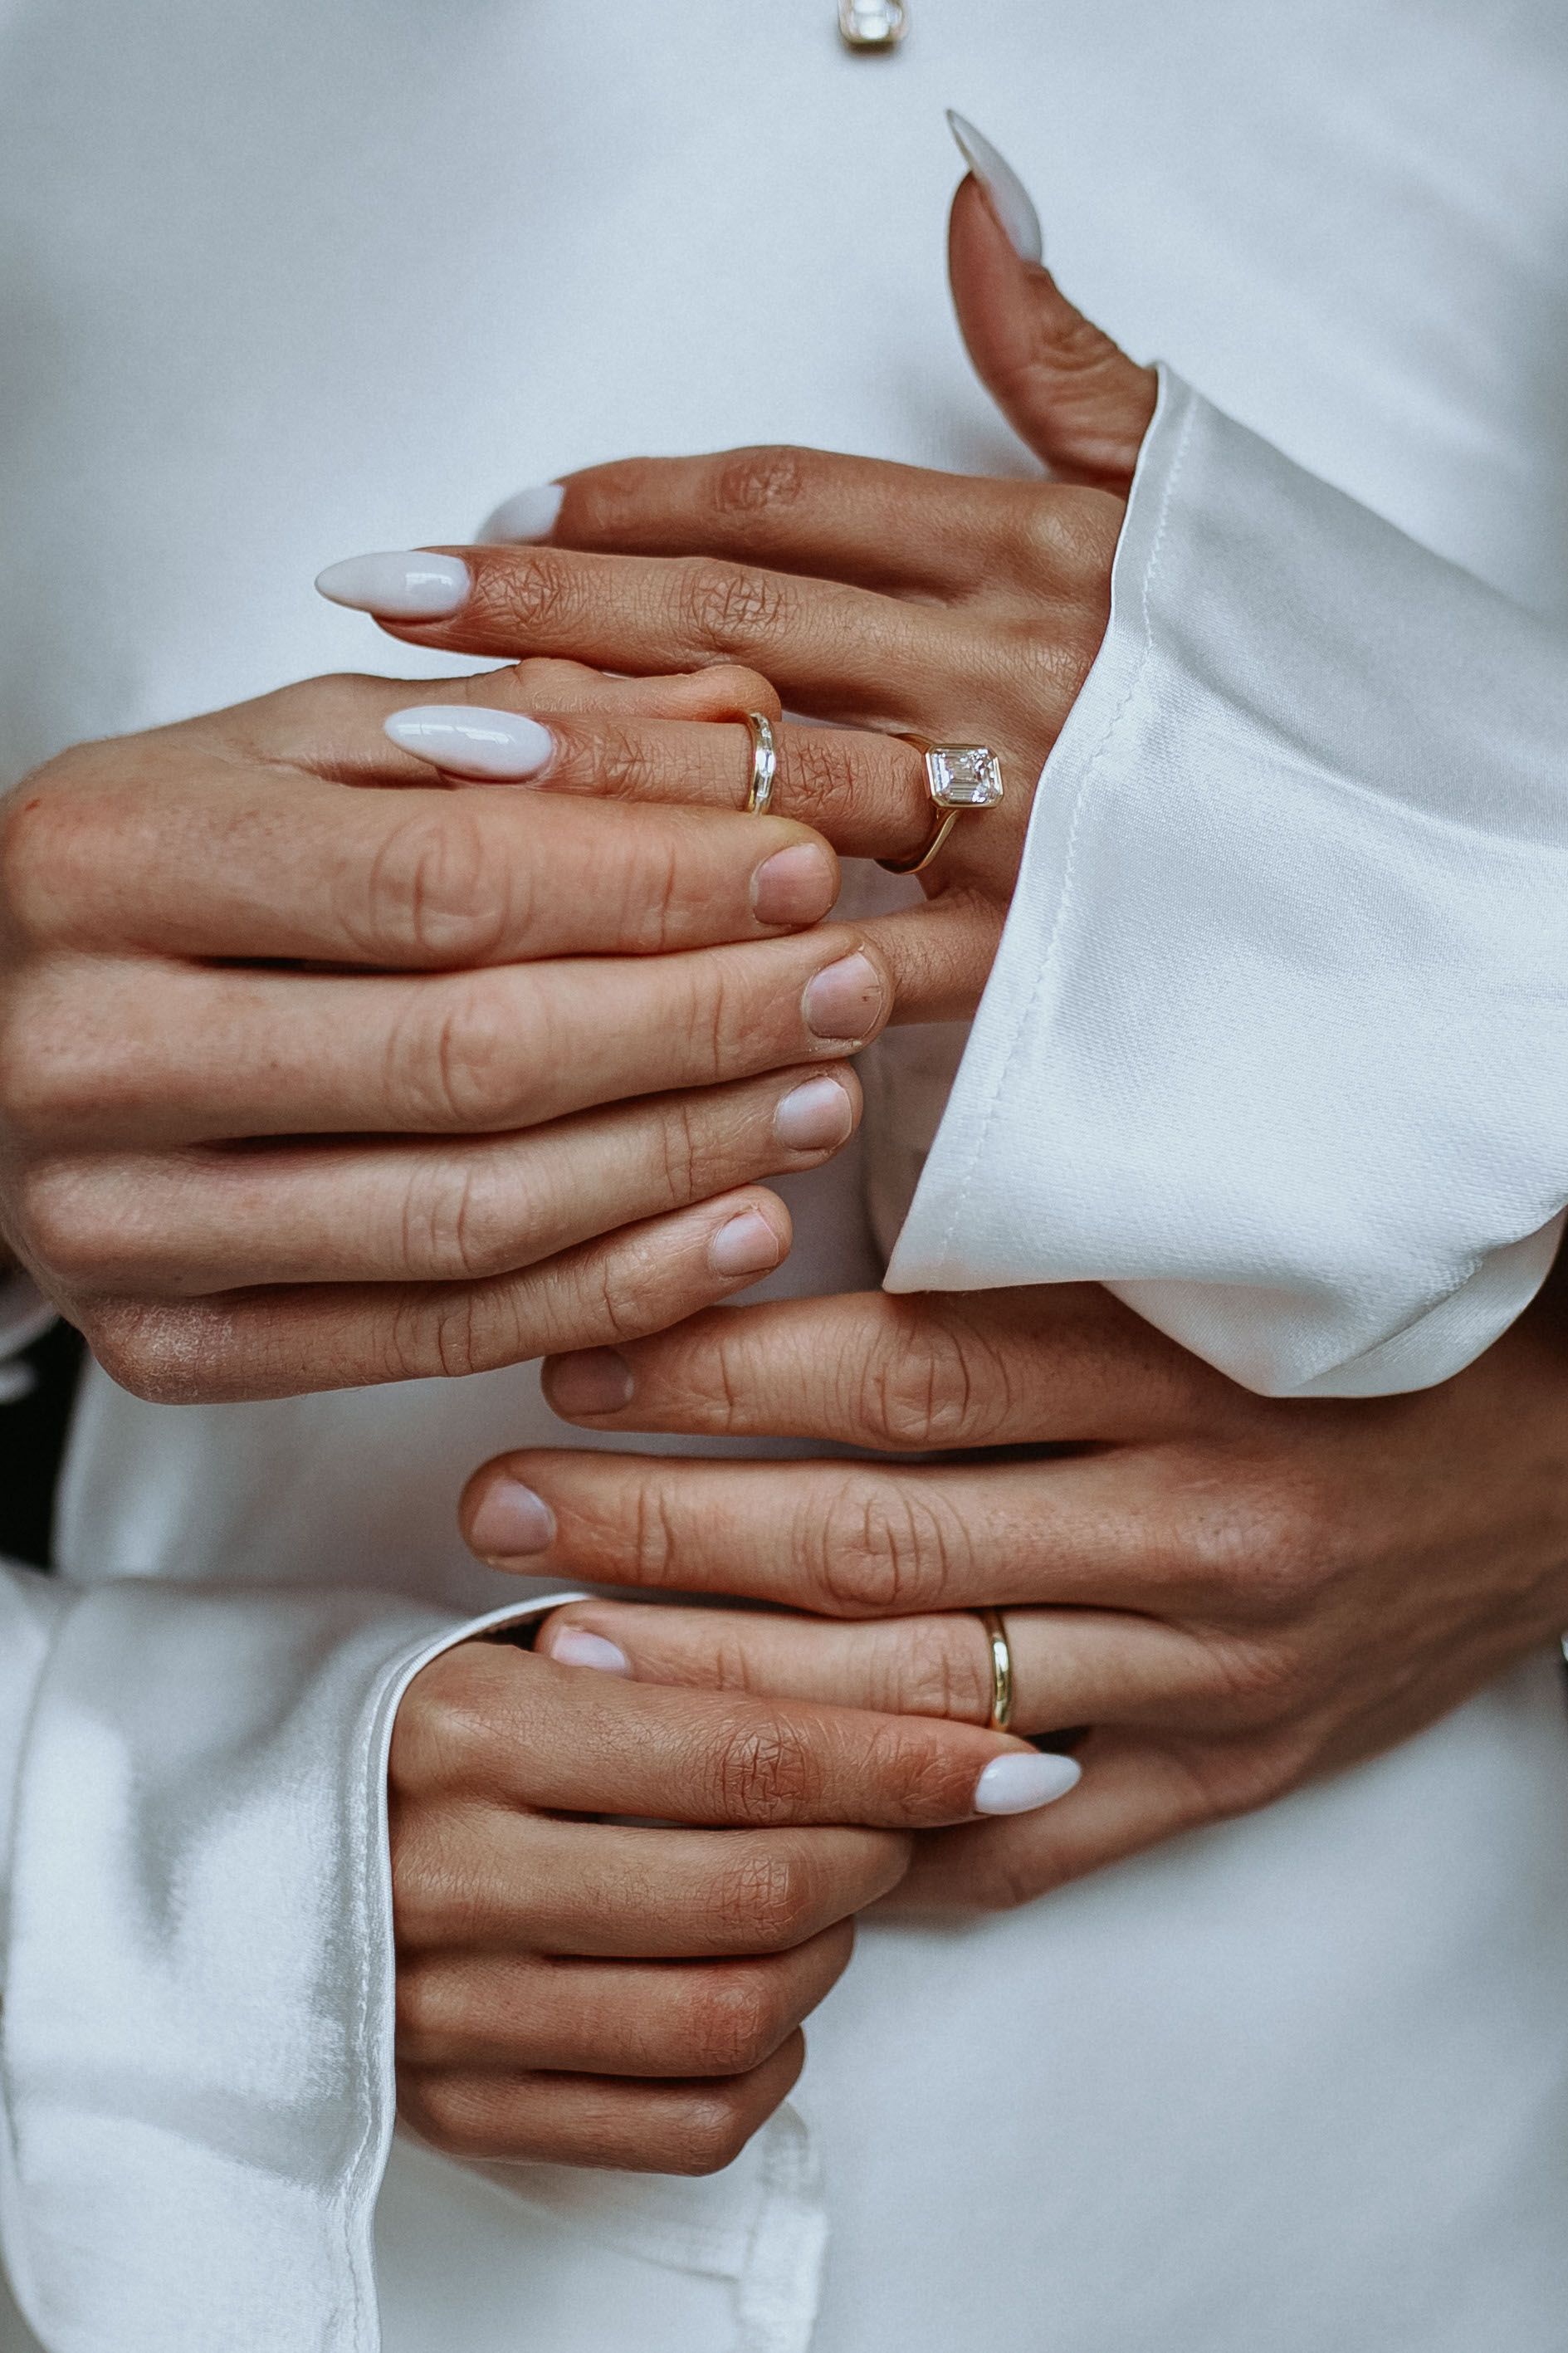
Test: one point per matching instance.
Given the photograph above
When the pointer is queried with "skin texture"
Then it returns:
(303, 1059)
(1234, 1593)
(596, 1992)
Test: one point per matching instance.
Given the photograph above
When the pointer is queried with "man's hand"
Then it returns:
(595, 1992)
(302, 1056)
(882, 597)
(1234, 1593)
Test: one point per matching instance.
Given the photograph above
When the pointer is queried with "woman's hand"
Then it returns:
(301, 1085)
(878, 596)
(595, 1992)
(1234, 1593)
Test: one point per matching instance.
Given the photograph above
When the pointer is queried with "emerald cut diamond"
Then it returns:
(873, 24)
(964, 775)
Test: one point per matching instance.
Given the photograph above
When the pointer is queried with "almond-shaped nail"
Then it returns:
(573, 1646)
(594, 1380)
(406, 587)
(1019, 1783)
(491, 746)
(1010, 199)
(814, 1117)
(797, 885)
(511, 1523)
(746, 1245)
(527, 515)
(844, 1002)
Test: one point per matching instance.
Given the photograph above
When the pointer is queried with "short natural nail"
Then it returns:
(797, 885)
(527, 515)
(594, 1380)
(493, 746)
(746, 1245)
(1018, 1783)
(573, 1646)
(405, 587)
(1010, 199)
(812, 1117)
(845, 1001)
(511, 1522)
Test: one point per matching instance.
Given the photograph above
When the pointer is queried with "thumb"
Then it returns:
(1073, 394)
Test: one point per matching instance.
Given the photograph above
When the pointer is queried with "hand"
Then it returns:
(300, 1085)
(880, 596)
(1236, 1593)
(592, 1992)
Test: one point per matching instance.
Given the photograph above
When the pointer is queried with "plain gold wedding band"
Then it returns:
(764, 763)
(1001, 1670)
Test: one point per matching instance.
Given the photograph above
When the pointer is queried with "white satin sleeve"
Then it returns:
(198, 2000)
(1276, 1044)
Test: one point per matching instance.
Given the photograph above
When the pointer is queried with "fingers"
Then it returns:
(831, 651)
(865, 793)
(269, 1342)
(690, 2128)
(911, 1375)
(556, 1737)
(613, 2018)
(893, 528)
(1072, 393)
(845, 1539)
(600, 1891)
(186, 1224)
(153, 1054)
(1069, 1666)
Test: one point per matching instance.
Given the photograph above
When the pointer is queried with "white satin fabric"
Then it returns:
(284, 281)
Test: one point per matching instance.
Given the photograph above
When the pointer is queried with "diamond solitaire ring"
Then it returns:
(959, 777)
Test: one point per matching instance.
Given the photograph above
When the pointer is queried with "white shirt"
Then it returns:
(292, 281)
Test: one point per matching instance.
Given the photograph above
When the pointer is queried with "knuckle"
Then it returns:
(450, 2112)
(822, 779)
(1259, 1550)
(455, 1059)
(434, 891)
(765, 1900)
(940, 1669)
(761, 1768)
(442, 1336)
(711, 2129)
(445, 1732)
(38, 827)
(50, 1081)
(760, 481)
(721, 605)
(525, 590)
(63, 1225)
(1257, 1679)
(737, 2024)
(926, 1386)
(428, 2009)
(163, 1354)
(886, 1549)
(451, 1225)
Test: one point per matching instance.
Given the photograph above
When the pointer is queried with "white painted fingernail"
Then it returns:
(527, 515)
(1017, 1784)
(408, 586)
(573, 1646)
(495, 746)
(1010, 199)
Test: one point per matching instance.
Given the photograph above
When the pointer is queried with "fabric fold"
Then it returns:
(1274, 1043)
(199, 1996)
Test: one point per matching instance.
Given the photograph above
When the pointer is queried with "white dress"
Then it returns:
(1274, 1045)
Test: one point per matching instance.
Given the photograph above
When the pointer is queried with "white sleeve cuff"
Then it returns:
(1276, 1045)
(199, 1998)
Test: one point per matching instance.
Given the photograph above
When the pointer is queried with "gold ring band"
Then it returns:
(1001, 1670)
(959, 777)
(764, 763)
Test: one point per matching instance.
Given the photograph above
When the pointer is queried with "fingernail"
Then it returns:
(794, 886)
(409, 586)
(594, 1380)
(844, 1001)
(1010, 199)
(527, 514)
(573, 1646)
(511, 1521)
(746, 1245)
(499, 746)
(812, 1116)
(1017, 1784)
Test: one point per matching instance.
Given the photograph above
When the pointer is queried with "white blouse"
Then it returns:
(1273, 1045)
